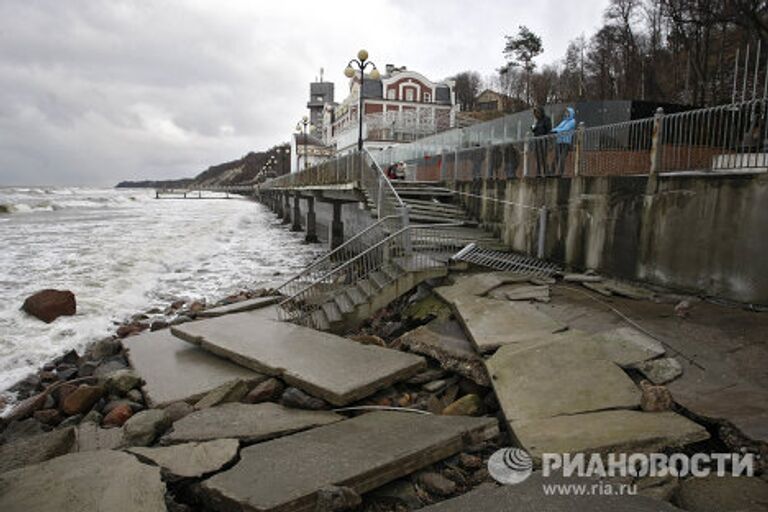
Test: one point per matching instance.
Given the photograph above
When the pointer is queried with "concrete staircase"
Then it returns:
(345, 305)
(427, 202)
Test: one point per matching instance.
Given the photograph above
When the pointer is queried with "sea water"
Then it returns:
(122, 252)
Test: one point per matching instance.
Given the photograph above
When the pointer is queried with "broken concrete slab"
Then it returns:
(629, 290)
(362, 453)
(492, 323)
(607, 431)
(247, 422)
(561, 377)
(239, 307)
(176, 371)
(536, 293)
(190, 460)
(330, 367)
(661, 371)
(446, 342)
(598, 287)
(715, 493)
(477, 284)
(626, 346)
(91, 438)
(530, 496)
(582, 278)
(35, 449)
(100, 480)
(232, 391)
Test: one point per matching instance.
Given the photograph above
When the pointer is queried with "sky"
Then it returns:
(93, 92)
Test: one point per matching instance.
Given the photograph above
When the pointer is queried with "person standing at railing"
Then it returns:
(564, 139)
(541, 127)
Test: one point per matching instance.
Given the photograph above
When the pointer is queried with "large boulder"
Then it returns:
(48, 305)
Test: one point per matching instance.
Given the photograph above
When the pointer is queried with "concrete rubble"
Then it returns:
(330, 367)
(177, 371)
(245, 422)
(190, 460)
(361, 453)
(100, 480)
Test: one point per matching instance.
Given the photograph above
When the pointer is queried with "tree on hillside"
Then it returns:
(520, 50)
(467, 88)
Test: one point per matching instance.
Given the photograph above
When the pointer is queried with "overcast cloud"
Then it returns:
(93, 92)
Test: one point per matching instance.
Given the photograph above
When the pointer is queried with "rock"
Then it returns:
(118, 416)
(181, 319)
(134, 395)
(468, 405)
(722, 494)
(97, 480)
(435, 483)
(157, 325)
(190, 460)
(178, 410)
(130, 329)
(27, 407)
(72, 421)
(334, 498)
(294, 397)
(683, 309)
(399, 492)
(81, 399)
(426, 376)
(66, 374)
(93, 416)
(34, 449)
(134, 406)
(197, 307)
(469, 461)
(48, 305)
(661, 371)
(90, 437)
(48, 416)
(104, 348)
(122, 381)
(144, 427)
(107, 368)
(47, 376)
(232, 391)
(368, 339)
(655, 398)
(267, 391)
(87, 368)
(435, 385)
(21, 429)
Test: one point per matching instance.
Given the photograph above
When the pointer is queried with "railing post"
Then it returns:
(380, 197)
(656, 141)
(407, 245)
(542, 232)
(577, 156)
(526, 149)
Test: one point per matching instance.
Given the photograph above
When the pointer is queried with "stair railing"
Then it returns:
(410, 249)
(369, 236)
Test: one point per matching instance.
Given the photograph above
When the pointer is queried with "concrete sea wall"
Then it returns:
(701, 233)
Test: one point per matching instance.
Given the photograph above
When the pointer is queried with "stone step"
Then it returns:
(366, 288)
(356, 296)
(330, 367)
(343, 302)
(379, 279)
(392, 272)
(332, 312)
(362, 453)
(320, 320)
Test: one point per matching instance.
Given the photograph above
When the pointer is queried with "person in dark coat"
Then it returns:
(542, 126)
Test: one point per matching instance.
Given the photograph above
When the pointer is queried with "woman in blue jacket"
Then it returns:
(565, 139)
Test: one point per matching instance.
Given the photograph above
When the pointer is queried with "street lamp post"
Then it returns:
(301, 127)
(361, 62)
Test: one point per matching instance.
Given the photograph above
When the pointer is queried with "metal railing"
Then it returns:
(724, 138)
(410, 249)
(356, 245)
(380, 191)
